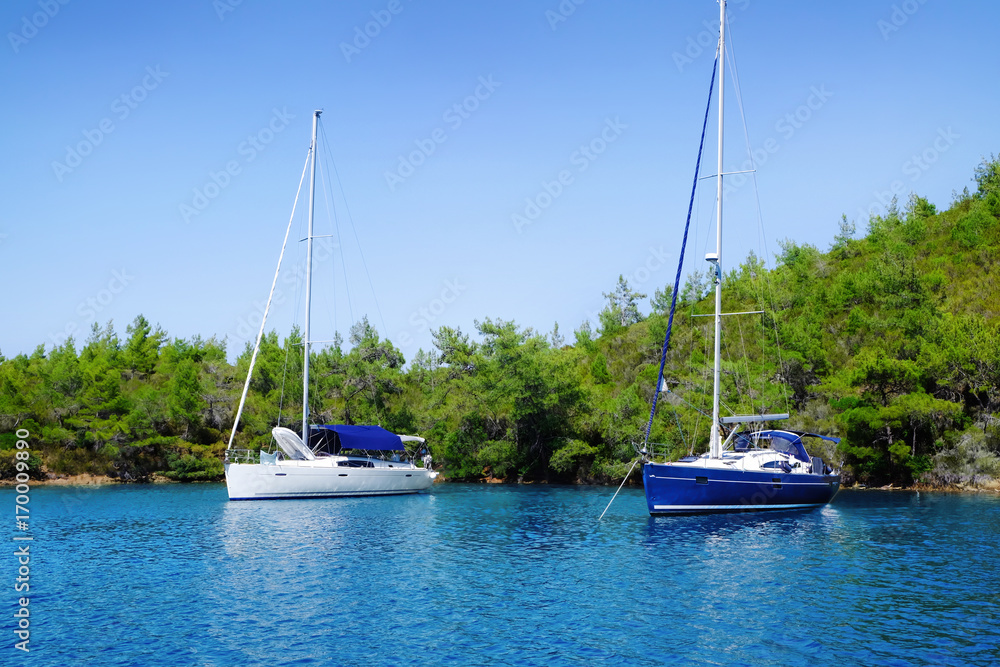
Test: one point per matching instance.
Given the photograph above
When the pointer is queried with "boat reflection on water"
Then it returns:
(707, 527)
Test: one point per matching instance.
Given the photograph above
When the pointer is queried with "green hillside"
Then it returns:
(890, 340)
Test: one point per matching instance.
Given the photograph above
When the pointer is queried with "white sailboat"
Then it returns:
(298, 470)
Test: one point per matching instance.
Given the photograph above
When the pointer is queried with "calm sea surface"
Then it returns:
(504, 575)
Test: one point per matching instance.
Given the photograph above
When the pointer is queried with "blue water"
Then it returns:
(503, 575)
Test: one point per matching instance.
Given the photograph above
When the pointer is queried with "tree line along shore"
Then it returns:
(888, 339)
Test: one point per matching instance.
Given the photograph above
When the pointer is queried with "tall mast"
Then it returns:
(309, 257)
(715, 445)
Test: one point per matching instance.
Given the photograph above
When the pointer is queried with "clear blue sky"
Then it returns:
(161, 95)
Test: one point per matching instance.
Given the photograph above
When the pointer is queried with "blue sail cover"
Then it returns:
(364, 437)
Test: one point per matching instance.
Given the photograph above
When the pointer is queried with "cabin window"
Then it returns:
(701, 480)
(355, 464)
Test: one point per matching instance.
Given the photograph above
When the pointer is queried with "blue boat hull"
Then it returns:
(679, 489)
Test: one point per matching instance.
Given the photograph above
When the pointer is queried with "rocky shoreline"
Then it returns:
(85, 479)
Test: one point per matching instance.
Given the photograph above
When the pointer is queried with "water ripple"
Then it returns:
(468, 574)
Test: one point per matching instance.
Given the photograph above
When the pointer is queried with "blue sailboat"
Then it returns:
(748, 467)
(767, 469)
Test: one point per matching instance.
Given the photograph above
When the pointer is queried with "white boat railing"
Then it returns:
(242, 456)
(253, 456)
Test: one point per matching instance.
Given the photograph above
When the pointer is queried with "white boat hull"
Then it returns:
(321, 479)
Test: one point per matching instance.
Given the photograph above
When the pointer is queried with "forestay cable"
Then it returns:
(680, 262)
(354, 229)
(677, 280)
(769, 296)
(263, 320)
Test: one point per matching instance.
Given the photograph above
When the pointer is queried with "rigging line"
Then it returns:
(331, 211)
(340, 245)
(764, 353)
(680, 261)
(288, 345)
(746, 365)
(781, 361)
(274, 283)
(778, 373)
(689, 404)
(680, 429)
(298, 300)
(766, 277)
(726, 406)
(735, 74)
(619, 489)
(704, 394)
(770, 299)
(332, 217)
(336, 226)
(728, 356)
(284, 374)
(762, 238)
(677, 420)
(350, 218)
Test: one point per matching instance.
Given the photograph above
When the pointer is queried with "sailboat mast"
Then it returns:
(309, 256)
(715, 445)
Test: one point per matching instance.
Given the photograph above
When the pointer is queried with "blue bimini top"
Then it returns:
(364, 437)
